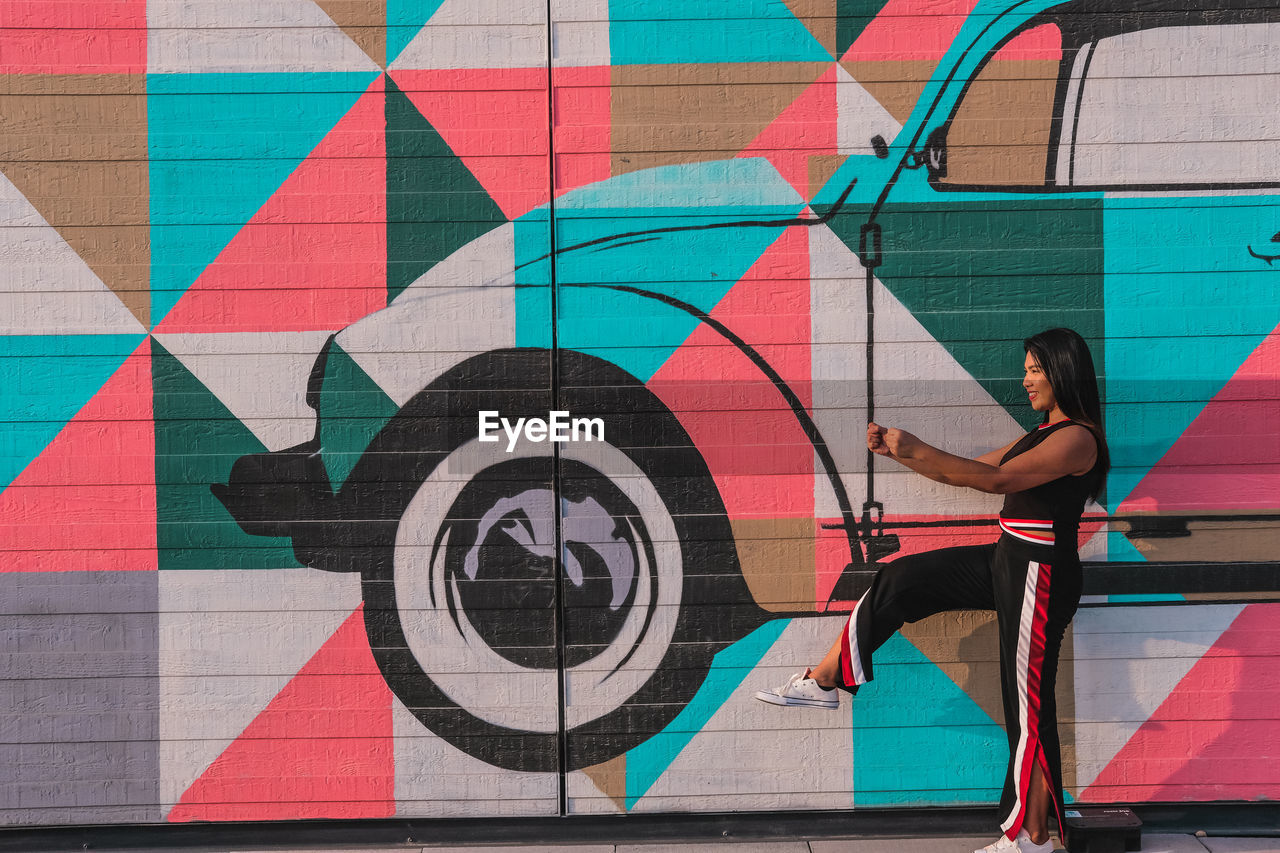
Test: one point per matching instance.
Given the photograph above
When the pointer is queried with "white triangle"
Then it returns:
(919, 387)
(1127, 662)
(462, 306)
(206, 36)
(1095, 548)
(860, 116)
(720, 768)
(45, 287)
(229, 642)
(260, 376)
(436, 779)
(838, 365)
(480, 34)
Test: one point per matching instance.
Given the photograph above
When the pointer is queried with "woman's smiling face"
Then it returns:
(1037, 386)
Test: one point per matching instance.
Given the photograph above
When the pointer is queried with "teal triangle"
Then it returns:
(657, 32)
(405, 19)
(197, 442)
(219, 145)
(434, 204)
(47, 380)
(353, 410)
(1121, 550)
(1180, 319)
(918, 738)
(648, 761)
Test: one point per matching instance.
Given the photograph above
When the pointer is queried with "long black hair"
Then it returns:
(1065, 360)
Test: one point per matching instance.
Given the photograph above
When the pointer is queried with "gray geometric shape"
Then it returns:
(80, 728)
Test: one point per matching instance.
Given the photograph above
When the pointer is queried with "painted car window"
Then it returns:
(1159, 105)
(1000, 133)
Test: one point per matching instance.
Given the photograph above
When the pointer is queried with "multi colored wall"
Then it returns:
(263, 264)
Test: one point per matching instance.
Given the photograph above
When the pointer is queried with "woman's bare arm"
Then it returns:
(1071, 450)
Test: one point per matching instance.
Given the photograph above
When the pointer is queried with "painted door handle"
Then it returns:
(1268, 251)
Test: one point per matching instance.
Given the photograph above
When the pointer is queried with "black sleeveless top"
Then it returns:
(1047, 514)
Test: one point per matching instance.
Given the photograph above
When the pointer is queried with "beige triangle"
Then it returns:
(364, 22)
(76, 147)
(819, 18)
(611, 778)
(666, 114)
(964, 645)
(821, 168)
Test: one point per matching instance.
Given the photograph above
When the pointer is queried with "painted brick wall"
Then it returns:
(264, 264)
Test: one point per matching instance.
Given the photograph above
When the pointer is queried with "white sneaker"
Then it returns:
(1021, 844)
(800, 689)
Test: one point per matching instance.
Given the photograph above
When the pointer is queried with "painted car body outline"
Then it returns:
(296, 492)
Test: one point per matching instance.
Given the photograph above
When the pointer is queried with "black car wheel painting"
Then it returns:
(455, 540)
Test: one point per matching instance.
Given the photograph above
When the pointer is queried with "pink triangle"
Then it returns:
(495, 121)
(88, 501)
(321, 749)
(314, 257)
(758, 454)
(805, 128)
(1209, 739)
(923, 30)
(1229, 457)
(73, 38)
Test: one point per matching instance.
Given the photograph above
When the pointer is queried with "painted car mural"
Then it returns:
(265, 264)
(1031, 127)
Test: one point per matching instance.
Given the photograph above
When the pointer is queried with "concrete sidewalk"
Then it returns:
(1151, 843)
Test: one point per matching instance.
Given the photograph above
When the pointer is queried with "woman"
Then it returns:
(1031, 576)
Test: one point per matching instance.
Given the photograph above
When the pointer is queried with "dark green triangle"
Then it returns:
(197, 442)
(434, 203)
(852, 17)
(353, 409)
(981, 276)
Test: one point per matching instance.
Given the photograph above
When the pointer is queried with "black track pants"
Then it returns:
(1034, 590)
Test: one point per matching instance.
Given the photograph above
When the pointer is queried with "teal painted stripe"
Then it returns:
(648, 761)
(655, 32)
(918, 738)
(219, 146)
(44, 382)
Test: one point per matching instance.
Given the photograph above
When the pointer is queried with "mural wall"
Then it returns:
(265, 267)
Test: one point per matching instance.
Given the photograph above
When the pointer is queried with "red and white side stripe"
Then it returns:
(1030, 665)
(1035, 530)
(850, 659)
